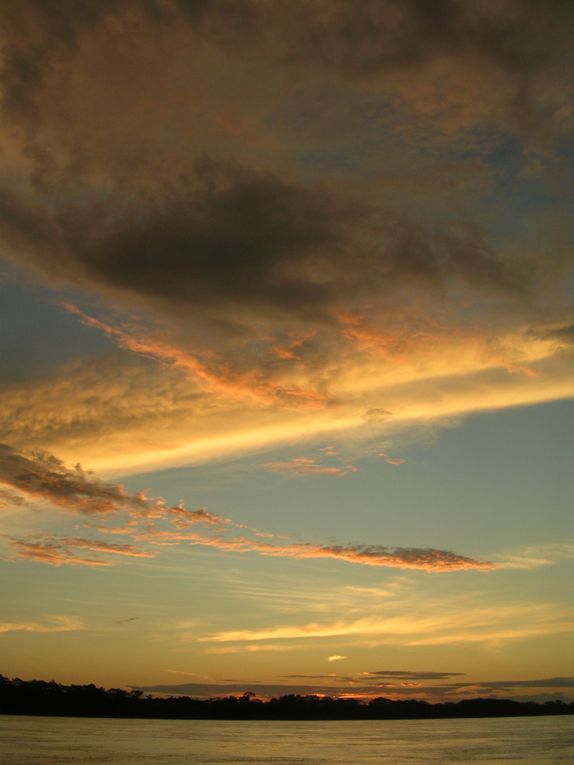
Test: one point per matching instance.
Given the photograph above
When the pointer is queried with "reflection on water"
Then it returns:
(67, 741)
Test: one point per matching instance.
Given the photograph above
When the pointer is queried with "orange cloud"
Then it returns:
(55, 624)
(59, 551)
(308, 466)
(219, 378)
(422, 559)
(54, 555)
(490, 624)
(44, 477)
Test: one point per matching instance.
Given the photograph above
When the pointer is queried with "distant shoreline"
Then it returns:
(38, 698)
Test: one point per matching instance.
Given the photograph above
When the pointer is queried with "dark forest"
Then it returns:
(38, 697)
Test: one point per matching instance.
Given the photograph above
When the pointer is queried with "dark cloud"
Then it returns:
(547, 682)
(234, 244)
(398, 674)
(390, 674)
(337, 689)
(379, 36)
(44, 477)
(179, 204)
(565, 333)
(519, 37)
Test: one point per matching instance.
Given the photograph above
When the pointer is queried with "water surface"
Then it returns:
(87, 741)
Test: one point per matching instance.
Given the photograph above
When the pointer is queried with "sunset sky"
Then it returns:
(287, 346)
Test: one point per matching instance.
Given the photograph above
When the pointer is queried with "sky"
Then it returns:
(287, 346)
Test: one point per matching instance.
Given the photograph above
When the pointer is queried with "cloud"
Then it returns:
(338, 687)
(302, 233)
(10, 499)
(307, 466)
(406, 675)
(219, 378)
(335, 657)
(53, 554)
(128, 414)
(455, 625)
(44, 477)
(54, 624)
(60, 551)
(237, 234)
(233, 649)
(423, 559)
(536, 556)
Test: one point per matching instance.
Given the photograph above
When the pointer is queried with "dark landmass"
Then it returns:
(37, 697)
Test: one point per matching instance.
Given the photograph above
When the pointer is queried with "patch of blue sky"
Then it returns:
(448, 494)
(36, 333)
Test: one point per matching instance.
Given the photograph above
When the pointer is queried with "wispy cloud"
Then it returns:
(58, 551)
(308, 466)
(264, 648)
(53, 624)
(395, 461)
(459, 625)
(410, 675)
(536, 556)
(424, 559)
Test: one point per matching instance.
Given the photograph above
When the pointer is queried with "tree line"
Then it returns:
(38, 697)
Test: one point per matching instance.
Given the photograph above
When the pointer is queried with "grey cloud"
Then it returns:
(231, 243)
(389, 674)
(337, 689)
(234, 231)
(356, 40)
(398, 674)
(549, 682)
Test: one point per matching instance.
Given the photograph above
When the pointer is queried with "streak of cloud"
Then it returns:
(536, 556)
(307, 466)
(60, 551)
(423, 559)
(219, 377)
(407, 630)
(44, 477)
(54, 624)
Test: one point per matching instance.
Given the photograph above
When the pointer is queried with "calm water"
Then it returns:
(67, 741)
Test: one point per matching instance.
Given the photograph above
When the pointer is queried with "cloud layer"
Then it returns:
(295, 212)
(44, 477)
